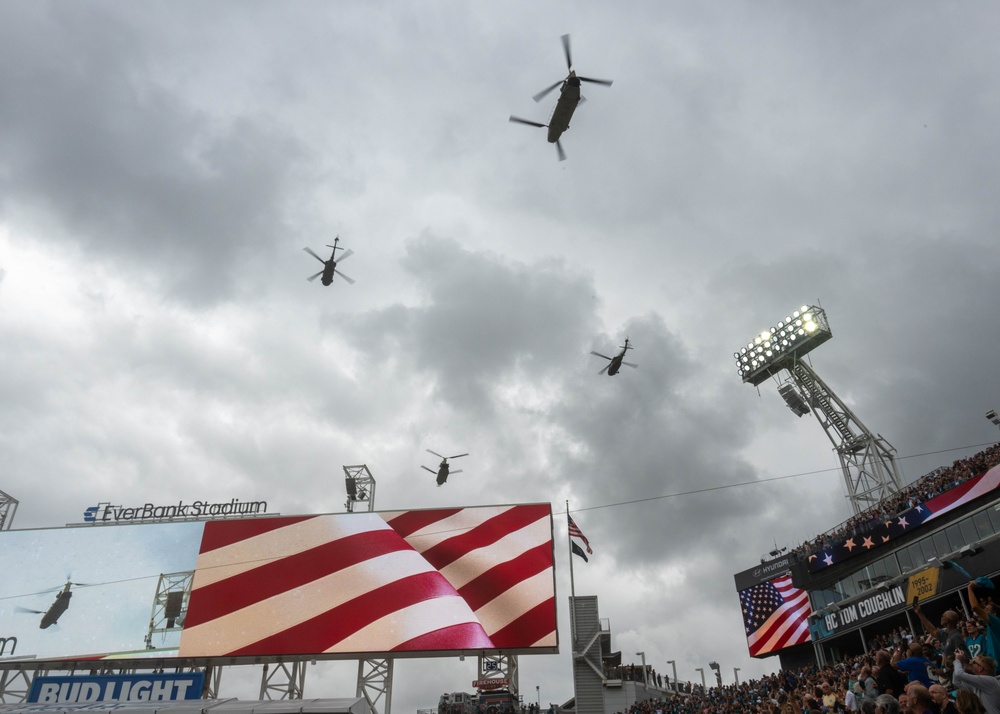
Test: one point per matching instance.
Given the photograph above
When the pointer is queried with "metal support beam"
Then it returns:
(375, 682)
(867, 460)
(15, 685)
(284, 681)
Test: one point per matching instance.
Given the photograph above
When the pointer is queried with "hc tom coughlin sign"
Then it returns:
(401, 583)
(116, 688)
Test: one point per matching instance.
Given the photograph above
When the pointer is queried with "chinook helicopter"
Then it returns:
(569, 99)
(442, 471)
(330, 266)
(56, 609)
(615, 363)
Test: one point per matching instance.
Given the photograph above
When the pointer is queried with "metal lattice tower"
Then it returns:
(501, 666)
(867, 460)
(374, 675)
(8, 505)
(360, 487)
(170, 604)
(286, 681)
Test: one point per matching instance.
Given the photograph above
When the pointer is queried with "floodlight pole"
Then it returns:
(867, 460)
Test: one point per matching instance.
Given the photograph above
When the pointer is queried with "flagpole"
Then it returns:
(572, 584)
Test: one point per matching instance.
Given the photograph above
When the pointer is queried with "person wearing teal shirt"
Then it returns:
(985, 613)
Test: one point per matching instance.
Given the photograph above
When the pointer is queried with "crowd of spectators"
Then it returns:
(949, 669)
(920, 491)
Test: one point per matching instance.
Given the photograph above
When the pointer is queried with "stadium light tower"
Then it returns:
(360, 487)
(867, 460)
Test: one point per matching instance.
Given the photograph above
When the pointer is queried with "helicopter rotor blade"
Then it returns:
(457, 471)
(346, 254)
(349, 280)
(431, 470)
(519, 120)
(455, 457)
(605, 82)
(542, 94)
(435, 453)
(18, 608)
(310, 252)
(559, 150)
(608, 365)
(629, 364)
(565, 44)
(313, 277)
(598, 354)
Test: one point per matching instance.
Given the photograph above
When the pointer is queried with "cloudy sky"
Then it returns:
(162, 165)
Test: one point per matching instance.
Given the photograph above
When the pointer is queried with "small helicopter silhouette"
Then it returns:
(56, 609)
(442, 472)
(615, 363)
(330, 266)
(569, 98)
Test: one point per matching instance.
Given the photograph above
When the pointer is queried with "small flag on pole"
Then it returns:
(575, 532)
(577, 550)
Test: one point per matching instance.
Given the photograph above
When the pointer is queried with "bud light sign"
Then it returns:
(116, 688)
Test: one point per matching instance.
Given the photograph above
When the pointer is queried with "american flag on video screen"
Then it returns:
(458, 578)
(776, 615)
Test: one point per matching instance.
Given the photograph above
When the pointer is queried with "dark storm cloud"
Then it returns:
(484, 319)
(125, 167)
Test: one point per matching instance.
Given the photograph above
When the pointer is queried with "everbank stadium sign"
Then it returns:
(107, 513)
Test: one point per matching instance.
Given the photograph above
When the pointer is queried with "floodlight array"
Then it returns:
(800, 332)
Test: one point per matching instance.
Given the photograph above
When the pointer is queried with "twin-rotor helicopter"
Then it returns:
(443, 468)
(51, 616)
(569, 99)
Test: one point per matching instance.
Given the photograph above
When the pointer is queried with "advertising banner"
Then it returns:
(334, 585)
(861, 612)
(116, 688)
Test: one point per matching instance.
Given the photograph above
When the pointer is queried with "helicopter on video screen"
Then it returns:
(443, 468)
(330, 266)
(569, 99)
(56, 609)
(615, 363)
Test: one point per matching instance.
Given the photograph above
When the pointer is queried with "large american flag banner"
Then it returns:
(775, 615)
(984, 484)
(431, 580)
